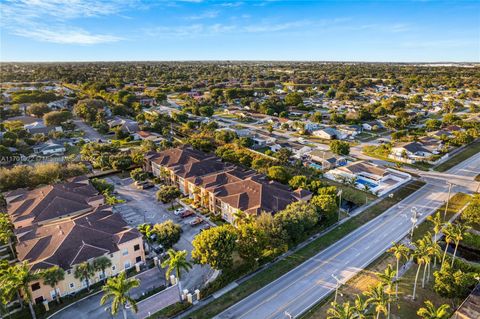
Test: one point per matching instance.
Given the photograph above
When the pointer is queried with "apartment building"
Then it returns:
(220, 187)
(66, 224)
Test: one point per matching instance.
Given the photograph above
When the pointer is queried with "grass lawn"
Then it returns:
(368, 277)
(467, 152)
(268, 275)
(351, 193)
(377, 153)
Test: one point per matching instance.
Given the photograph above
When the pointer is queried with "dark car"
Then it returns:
(187, 213)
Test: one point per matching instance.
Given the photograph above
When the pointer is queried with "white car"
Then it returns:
(179, 211)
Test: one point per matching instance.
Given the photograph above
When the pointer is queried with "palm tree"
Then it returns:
(177, 261)
(6, 231)
(430, 312)
(344, 311)
(117, 289)
(427, 258)
(147, 231)
(361, 307)
(419, 257)
(437, 222)
(378, 297)
(399, 251)
(52, 276)
(84, 271)
(388, 279)
(100, 264)
(457, 232)
(448, 233)
(18, 278)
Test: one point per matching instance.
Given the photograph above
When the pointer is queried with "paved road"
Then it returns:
(90, 132)
(298, 290)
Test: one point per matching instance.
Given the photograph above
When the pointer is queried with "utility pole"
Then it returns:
(448, 200)
(339, 203)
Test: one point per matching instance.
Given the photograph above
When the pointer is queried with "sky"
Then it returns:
(148, 30)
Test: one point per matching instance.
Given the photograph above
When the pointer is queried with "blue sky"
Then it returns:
(90, 30)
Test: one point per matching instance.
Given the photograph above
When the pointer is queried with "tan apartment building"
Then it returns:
(66, 224)
(220, 187)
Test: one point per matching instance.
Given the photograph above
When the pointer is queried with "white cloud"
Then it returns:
(39, 19)
(66, 36)
(204, 15)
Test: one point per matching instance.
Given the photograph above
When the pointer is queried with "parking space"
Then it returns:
(141, 206)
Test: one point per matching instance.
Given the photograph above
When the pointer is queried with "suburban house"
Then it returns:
(126, 125)
(326, 133)
(326, 159)
(148, 136)
(49, 148)
(367, 176)
(371, 126)
(422, 150)
(66, 224)
(220, 187)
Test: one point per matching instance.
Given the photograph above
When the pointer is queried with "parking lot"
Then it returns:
(141, 206)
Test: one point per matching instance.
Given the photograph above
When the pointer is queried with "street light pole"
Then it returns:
(414, 221)
(336, 287)
(448, 200)
(339, 204)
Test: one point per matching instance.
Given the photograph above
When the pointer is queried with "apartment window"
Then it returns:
(69, 272)
(136, 247)
(125, 252)
(138, 259)
(114, 268)
(36, 286)
(127, 265)
(72, 285)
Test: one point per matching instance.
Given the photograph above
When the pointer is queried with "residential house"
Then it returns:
(126, 125)
(414, 151)
(371, 126)
(49, 148)
(326, 133)
(370, 177)
(327, 159)
(66, 224)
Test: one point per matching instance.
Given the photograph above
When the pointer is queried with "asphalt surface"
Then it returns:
(301, 288)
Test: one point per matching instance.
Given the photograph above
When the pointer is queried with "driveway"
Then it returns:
(90, 307)
(141, 206)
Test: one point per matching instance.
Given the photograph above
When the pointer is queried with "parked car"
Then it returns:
(178, 211)
(146, 185)
(187, 213)
(205, 228)
(197, 221)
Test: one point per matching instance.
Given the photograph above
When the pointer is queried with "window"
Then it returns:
(125, 252)
(69, 272)
(136, 247)
(127, 265)
(36, 286)
(72, 285)
(138, 259)
(114, 268)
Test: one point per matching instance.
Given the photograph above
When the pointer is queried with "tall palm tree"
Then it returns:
(52, 276)
(427, 243)
(458, 232)
(378, 298)
(147, 231)
(448, 233)
(437, 222)
(117, 289)
(343, 311)
(388, 279)
(399, 251)
(100, 264)
(177, 261)
(430, 312)
(84, 271)
(361, 307)
(419, 257)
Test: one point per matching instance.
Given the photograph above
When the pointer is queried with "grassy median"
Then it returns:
(268, 275)
(466, 153)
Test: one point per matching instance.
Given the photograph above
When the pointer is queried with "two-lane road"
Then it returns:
(298, 290)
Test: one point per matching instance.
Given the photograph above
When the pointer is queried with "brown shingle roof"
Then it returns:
(72, 241)
(50, 202)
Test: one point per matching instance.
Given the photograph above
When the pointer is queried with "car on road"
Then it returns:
(187, 213)
(197, 221)
(146, 186)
